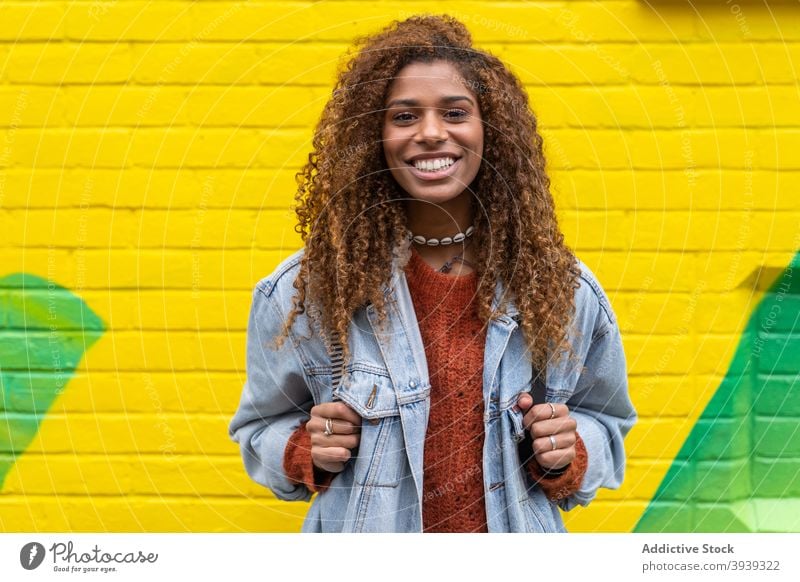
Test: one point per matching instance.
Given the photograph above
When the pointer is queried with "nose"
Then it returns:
(431, 128)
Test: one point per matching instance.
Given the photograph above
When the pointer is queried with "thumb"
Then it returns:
(524, 402)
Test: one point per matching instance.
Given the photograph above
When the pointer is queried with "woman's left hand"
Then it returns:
(552, 429)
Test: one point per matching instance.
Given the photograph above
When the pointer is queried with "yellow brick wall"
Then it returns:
(147, 152)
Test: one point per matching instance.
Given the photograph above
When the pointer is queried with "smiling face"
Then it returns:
(432, 132)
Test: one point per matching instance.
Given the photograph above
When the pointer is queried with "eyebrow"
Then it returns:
(415, 103)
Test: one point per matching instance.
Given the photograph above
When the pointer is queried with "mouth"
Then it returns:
(437, 169)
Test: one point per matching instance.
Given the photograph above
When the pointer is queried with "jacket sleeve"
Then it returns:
(274, 402)
(603, 410)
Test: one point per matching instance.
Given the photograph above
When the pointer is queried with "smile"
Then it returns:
(435, 169)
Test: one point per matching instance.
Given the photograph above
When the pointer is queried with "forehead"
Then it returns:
(428, 81)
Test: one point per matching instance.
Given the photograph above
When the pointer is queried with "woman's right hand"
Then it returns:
(331, 452)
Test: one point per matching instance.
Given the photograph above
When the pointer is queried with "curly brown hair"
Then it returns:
(348, 204)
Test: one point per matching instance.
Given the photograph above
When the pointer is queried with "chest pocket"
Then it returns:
(380, 459)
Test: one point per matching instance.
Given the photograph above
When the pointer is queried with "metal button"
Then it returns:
(412, 384)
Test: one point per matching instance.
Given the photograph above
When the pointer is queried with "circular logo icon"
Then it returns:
(31, 555)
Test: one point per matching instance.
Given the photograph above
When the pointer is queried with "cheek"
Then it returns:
(389, 149)
(477, 148)
(479, 141)
(473, 139)
(477, 154)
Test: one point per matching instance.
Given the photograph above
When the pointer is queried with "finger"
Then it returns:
(326, 410)
(546, 444)
(543, 428)
(319, 424)
(344, 412)
(346, 441)
(544, 411)
(330, 467)
(556, 459)
(331, 454)
(338, 411)
(524, 402)
(342, 427)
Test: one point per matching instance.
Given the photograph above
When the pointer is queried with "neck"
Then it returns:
(438, 220)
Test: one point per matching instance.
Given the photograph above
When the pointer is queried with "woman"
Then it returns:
(433, 296)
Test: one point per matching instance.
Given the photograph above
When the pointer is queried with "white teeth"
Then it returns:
(433, 165)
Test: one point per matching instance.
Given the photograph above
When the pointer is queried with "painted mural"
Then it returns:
(147, 161)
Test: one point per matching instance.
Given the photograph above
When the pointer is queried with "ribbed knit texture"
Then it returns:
(454, 341)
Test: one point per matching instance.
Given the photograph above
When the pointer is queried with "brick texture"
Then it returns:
(147, 153)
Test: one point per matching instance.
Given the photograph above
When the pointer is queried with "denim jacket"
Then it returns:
(387, 384)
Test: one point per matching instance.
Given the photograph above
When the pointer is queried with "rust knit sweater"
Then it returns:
(454, 339)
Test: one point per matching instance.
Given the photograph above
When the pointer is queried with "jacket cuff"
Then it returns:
(564, 485)
(298, 465)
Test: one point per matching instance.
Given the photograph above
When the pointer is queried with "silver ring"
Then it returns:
(553, 442)
(328, 427)
(552, 411)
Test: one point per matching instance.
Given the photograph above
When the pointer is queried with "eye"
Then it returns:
(459, 111)
(459, 114)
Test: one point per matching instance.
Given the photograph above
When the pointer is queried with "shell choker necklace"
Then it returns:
(448, 240)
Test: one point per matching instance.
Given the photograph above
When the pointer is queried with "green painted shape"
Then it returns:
(778, 515)
(739, 468)
(44, 331)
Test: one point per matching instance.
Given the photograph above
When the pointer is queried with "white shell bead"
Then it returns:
(435, 242)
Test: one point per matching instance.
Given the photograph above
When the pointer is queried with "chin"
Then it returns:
(437, 197)
(438, 193)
